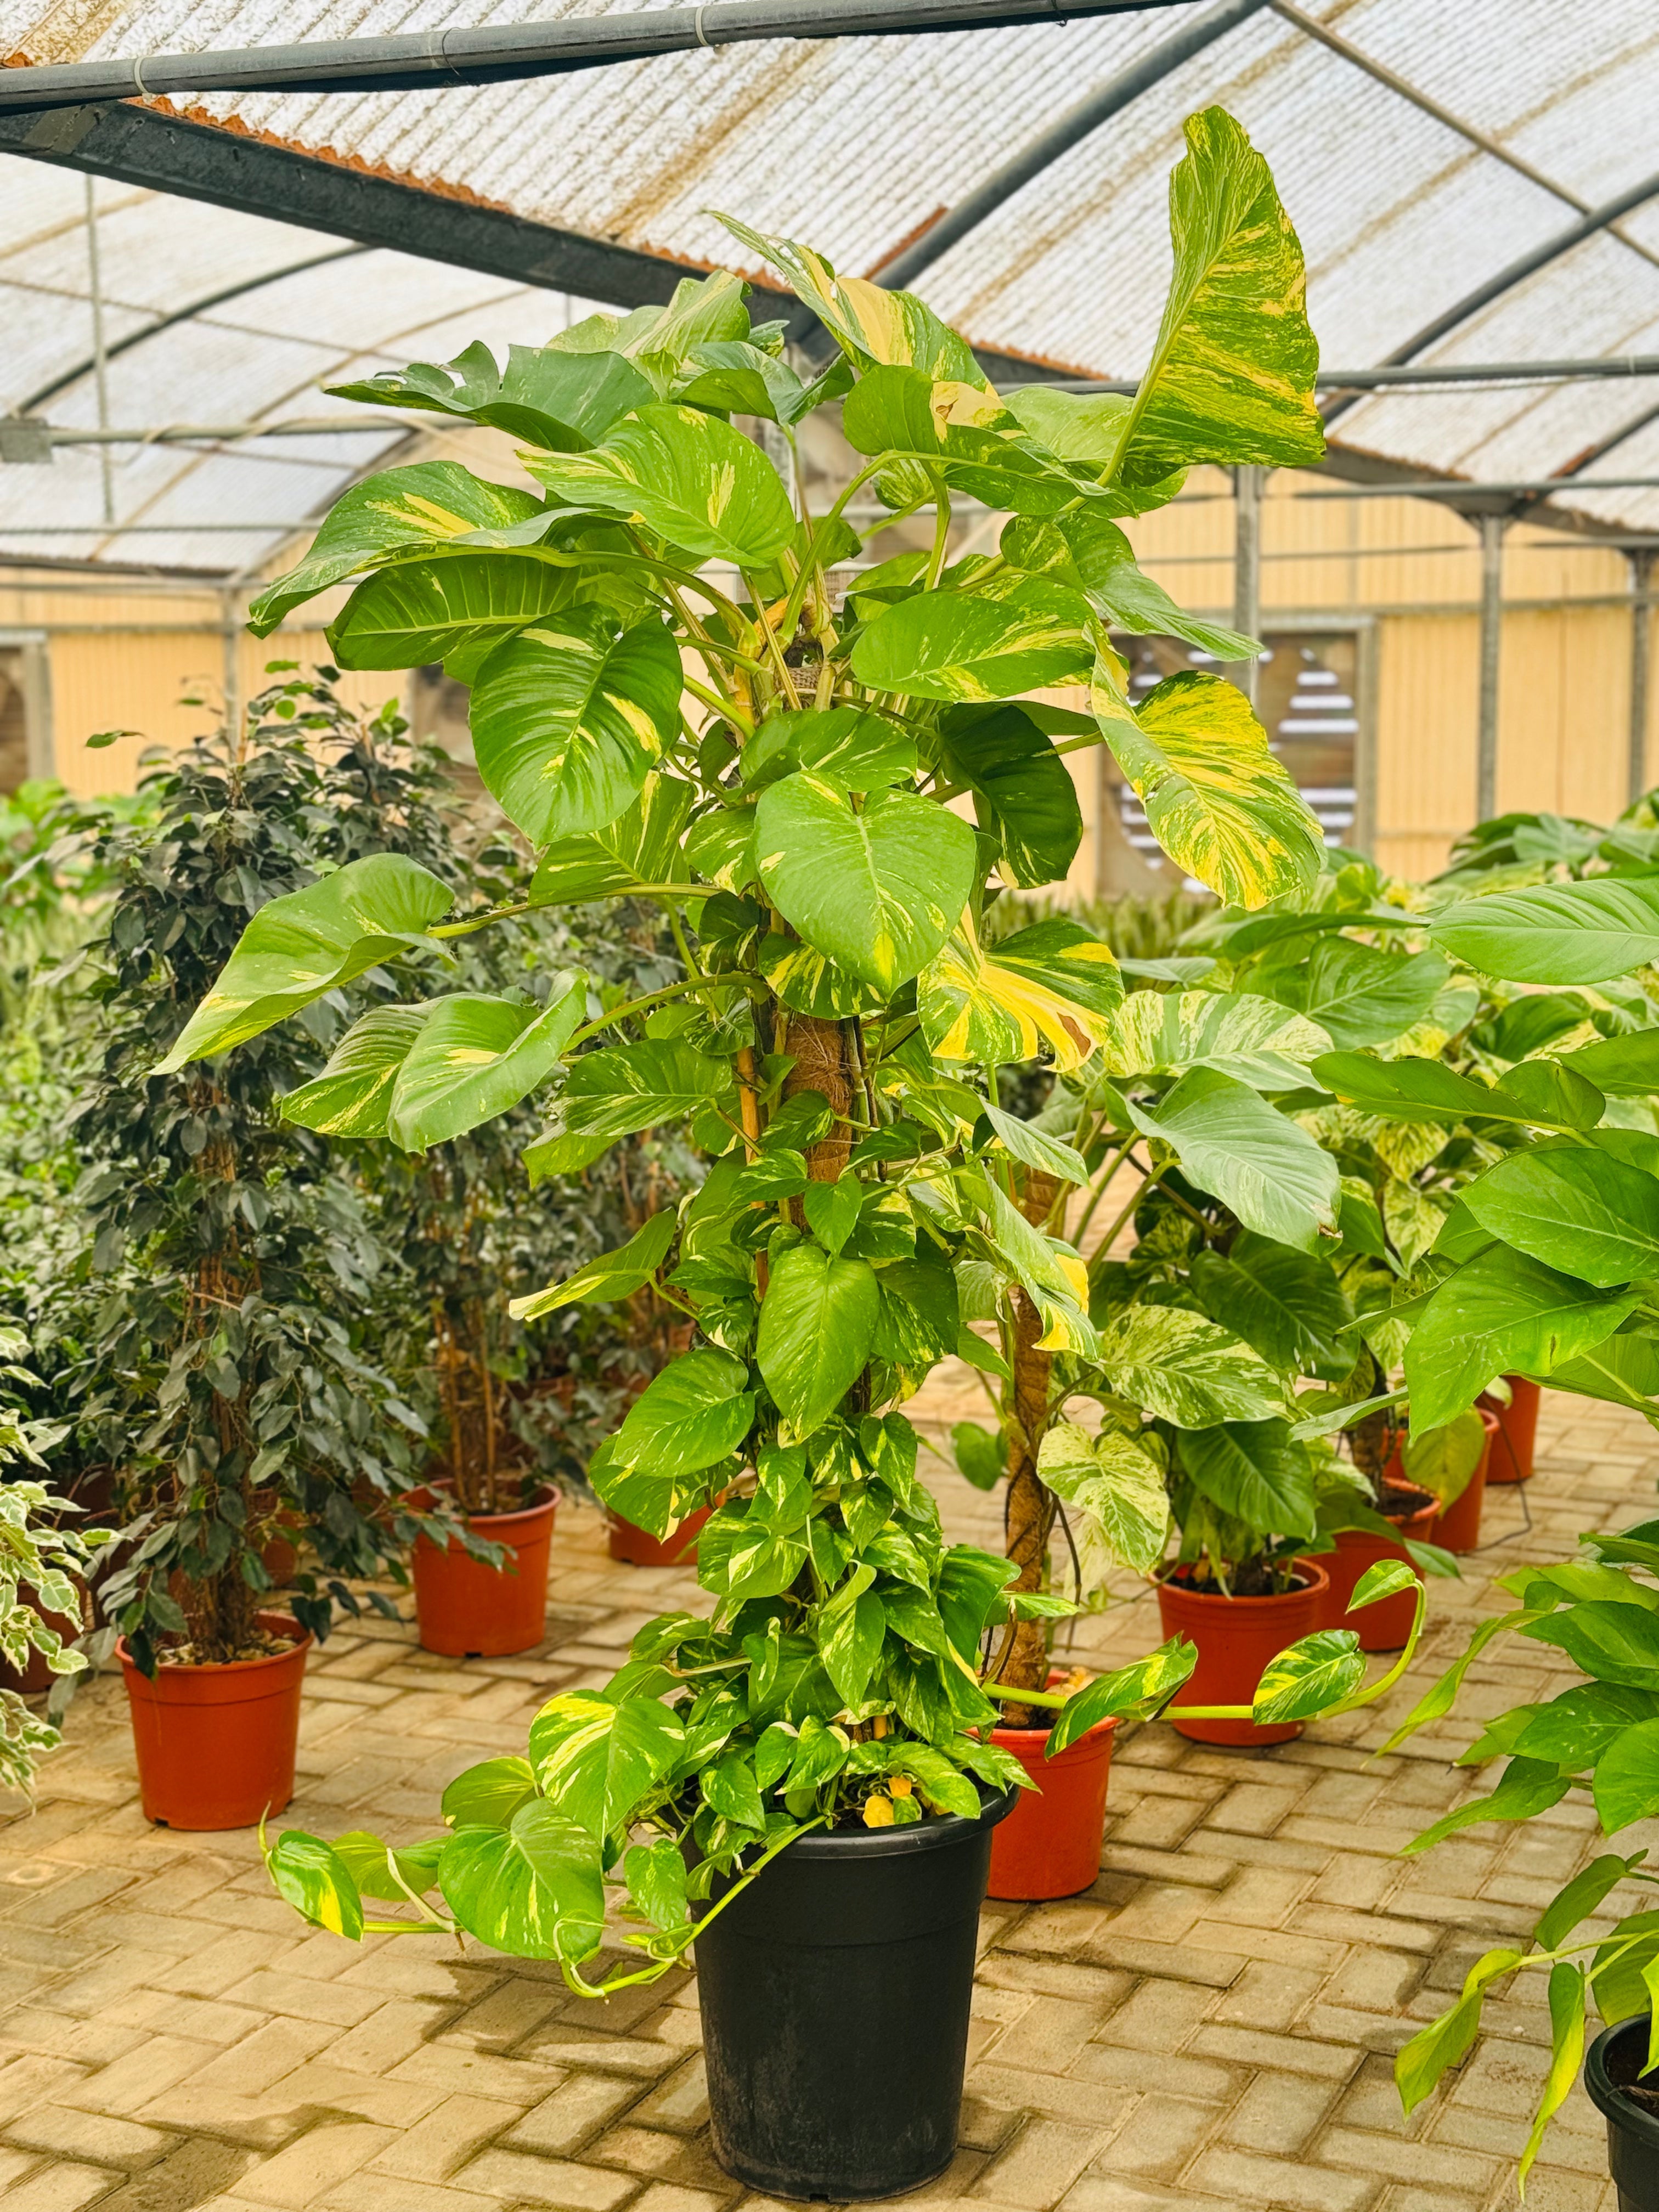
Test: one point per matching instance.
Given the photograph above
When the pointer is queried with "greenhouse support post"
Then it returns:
(1641, 667)
(1246, 568)
(1492, 640)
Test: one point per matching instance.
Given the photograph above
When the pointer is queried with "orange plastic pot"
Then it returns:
(637, 1547)
(1512, 1447)
(1385, 1625)
(1049, 1845)
(1457, 1528)
(471, 1611)
(1236, 1637)
(215, 1744)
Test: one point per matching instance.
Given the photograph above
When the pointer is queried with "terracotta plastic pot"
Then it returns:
(639, 1548)
(471, 1611)
(1458, 1528)
(1236, 1637)
(1049, 1845)
(215, 1744)
(1386, 1626)
(1517, 1430)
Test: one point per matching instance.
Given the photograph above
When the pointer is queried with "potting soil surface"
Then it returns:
(1211, 2024)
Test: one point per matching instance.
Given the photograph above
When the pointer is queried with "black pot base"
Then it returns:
(1614, 2060)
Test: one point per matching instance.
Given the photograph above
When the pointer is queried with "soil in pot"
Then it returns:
(216, 1744)
(835, 1994)
(1049, 1844)
(1612, 2070)
(1236, 1637)
(1386, 1626)
(637, 1547)
(1517, 1430)
(1457, 1527)
(469, 1610)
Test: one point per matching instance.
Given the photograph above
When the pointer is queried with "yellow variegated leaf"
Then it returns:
(1217, 801)
(1261, 1042)
(689, 476)
(1053, 984)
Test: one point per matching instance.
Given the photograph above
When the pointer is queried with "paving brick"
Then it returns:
(1157, 2016)
(451, 2132)
(1242, 2177)
(99, 2137)
(1048, 2034)
(578, 2110)
(1158, 2138)
(515, 2176)
(316, 2164)
(1040, 2165)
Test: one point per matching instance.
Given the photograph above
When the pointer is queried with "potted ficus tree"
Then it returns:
(807, 1772)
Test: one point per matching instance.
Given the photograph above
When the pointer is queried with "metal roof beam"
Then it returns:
(1077, 124)
(429, 60)
(1432, 374)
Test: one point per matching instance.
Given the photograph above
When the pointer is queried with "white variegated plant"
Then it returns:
(688, 689)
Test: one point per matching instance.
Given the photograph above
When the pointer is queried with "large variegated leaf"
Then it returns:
(546, 396)
(396, 511)
(640, 850)
(1023, 790)
(308, 942)
(1217, 801)
(848, 746)
(1256, 1040)
(1136, 1692)
(1232, 375)
(867, 322)
(1085, 430)
(568, 719)
(960, 436)
(1087, 549)
(352, 1096)
(616, 1274)
(533, 1889)
(817, 1326)
(692, 1416)
(1053, 984)
(960, 645)
(1263, 1166)
(688, 477)
(474, 1057)
(618, 1092)
(1052, 1275)
(1111, 1481)
(595, 1759)
(1186, 1369)
(877, 891)
(455, 607)
(700, 310)
(1312, 1676)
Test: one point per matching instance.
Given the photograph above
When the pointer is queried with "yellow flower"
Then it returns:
(877, 1811)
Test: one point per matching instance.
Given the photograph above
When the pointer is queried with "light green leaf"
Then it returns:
(1556, 933)
(352, 1096)
(655, 1873)
(845, 745)
(690, 1417)
(1052, 985)
(1239, 1033)
(640, 848)
(621, 1090)
(832, 1210)
(546, 396)
(1036, 1148)
(474, 1057)
(1220, 804)
(850, 1636)
(878, 892)
(1359, 995)
(379, 1871)
(982, 1457)
(317, 1882)
(596, 1759)
(1288, 1304)
(1024, 794)
(1232, 375)
(1136, 1692)
(956, 645)
(456, 608)
(818, 1325)
(308, 943)
(1626, 1782)
(1576, 1209)
(569, 719)
(920, 1323)
(687, 476)
(1186, 1370)
(489, 1795)
(533, 1890)
(1053, 1276)
(731, 374)
(1253, 1473)
(385, 515)
(1442, 1461)
(1099, 557)
(1501, 1314)
(1113, 1482)
(1584, 1895)
(1620, 1067)
(616, 1274)
(1386, 1579)
(1448, 2041)
(1271, 1174)
(1314, 1673)
(1528, 1786)
(1566, 2053)
(1623, 1370)
(1086, 430)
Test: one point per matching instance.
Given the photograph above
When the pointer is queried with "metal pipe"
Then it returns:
(1641, 673)
(99, 354)
(1427, 375)
(1075, 126)
(1458, 487)
(1491, 643)
(1516, 272)
(425, 60)
(1246, 568)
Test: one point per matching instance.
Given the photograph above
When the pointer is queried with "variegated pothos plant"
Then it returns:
(687, 688)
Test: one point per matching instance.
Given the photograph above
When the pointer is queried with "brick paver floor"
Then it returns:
(1211, 2024)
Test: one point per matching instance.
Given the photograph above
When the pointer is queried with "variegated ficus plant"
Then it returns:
(687, 688)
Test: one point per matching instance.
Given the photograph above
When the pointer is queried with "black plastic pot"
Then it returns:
(835, 1994)
(1616, 2059)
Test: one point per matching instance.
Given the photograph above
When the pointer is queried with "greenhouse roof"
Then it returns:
(1423, 152)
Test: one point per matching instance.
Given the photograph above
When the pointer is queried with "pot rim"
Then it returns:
(1056, 1674)
(893, 1843)
(1316, 1580)
(279, 1624)
(480, 1522)
(1606, 2095)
